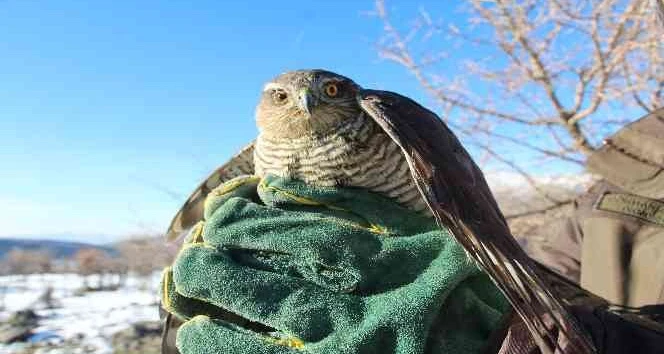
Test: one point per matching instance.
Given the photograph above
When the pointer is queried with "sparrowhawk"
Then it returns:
(324, 129)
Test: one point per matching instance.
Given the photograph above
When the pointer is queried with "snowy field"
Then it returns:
(90, 319)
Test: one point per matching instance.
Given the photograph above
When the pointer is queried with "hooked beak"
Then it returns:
(306, 101)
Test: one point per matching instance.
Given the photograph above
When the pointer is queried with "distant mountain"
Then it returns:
(59, 249)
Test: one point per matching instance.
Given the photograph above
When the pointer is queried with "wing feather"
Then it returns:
(455, 190)
(192, 210)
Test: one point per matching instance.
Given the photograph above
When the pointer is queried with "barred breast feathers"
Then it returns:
(357, 154)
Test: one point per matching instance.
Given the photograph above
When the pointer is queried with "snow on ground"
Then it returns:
(93, 318)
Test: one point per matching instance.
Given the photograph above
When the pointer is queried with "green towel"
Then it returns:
(282, 267)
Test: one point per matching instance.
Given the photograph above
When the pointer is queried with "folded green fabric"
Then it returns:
(279, 267)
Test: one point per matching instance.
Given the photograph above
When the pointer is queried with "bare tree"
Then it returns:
(116, 271)
(541, 83)
(23, 262)
(143, 255)
(91, 261)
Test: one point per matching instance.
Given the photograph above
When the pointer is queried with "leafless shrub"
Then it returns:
(109, 271)
(143, 255)
(23, 262)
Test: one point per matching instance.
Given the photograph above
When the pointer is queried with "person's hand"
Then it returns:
(279, 266)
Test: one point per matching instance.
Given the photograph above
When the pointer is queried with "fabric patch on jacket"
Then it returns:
(647, 209)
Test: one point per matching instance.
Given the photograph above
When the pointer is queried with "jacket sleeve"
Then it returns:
(557, 245)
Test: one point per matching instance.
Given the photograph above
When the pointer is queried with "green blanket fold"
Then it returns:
(279, 267)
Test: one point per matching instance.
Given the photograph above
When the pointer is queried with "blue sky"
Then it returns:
(112, 111)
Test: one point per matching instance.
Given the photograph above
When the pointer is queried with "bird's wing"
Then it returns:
(192, 210)
(457, 194)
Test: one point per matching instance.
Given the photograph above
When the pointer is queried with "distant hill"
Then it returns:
(59, 249)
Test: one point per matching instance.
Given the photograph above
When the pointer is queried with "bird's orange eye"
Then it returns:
(331, 90)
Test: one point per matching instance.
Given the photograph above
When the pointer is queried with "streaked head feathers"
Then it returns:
(306, 103)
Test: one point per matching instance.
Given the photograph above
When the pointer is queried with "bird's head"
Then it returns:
(306, 103)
